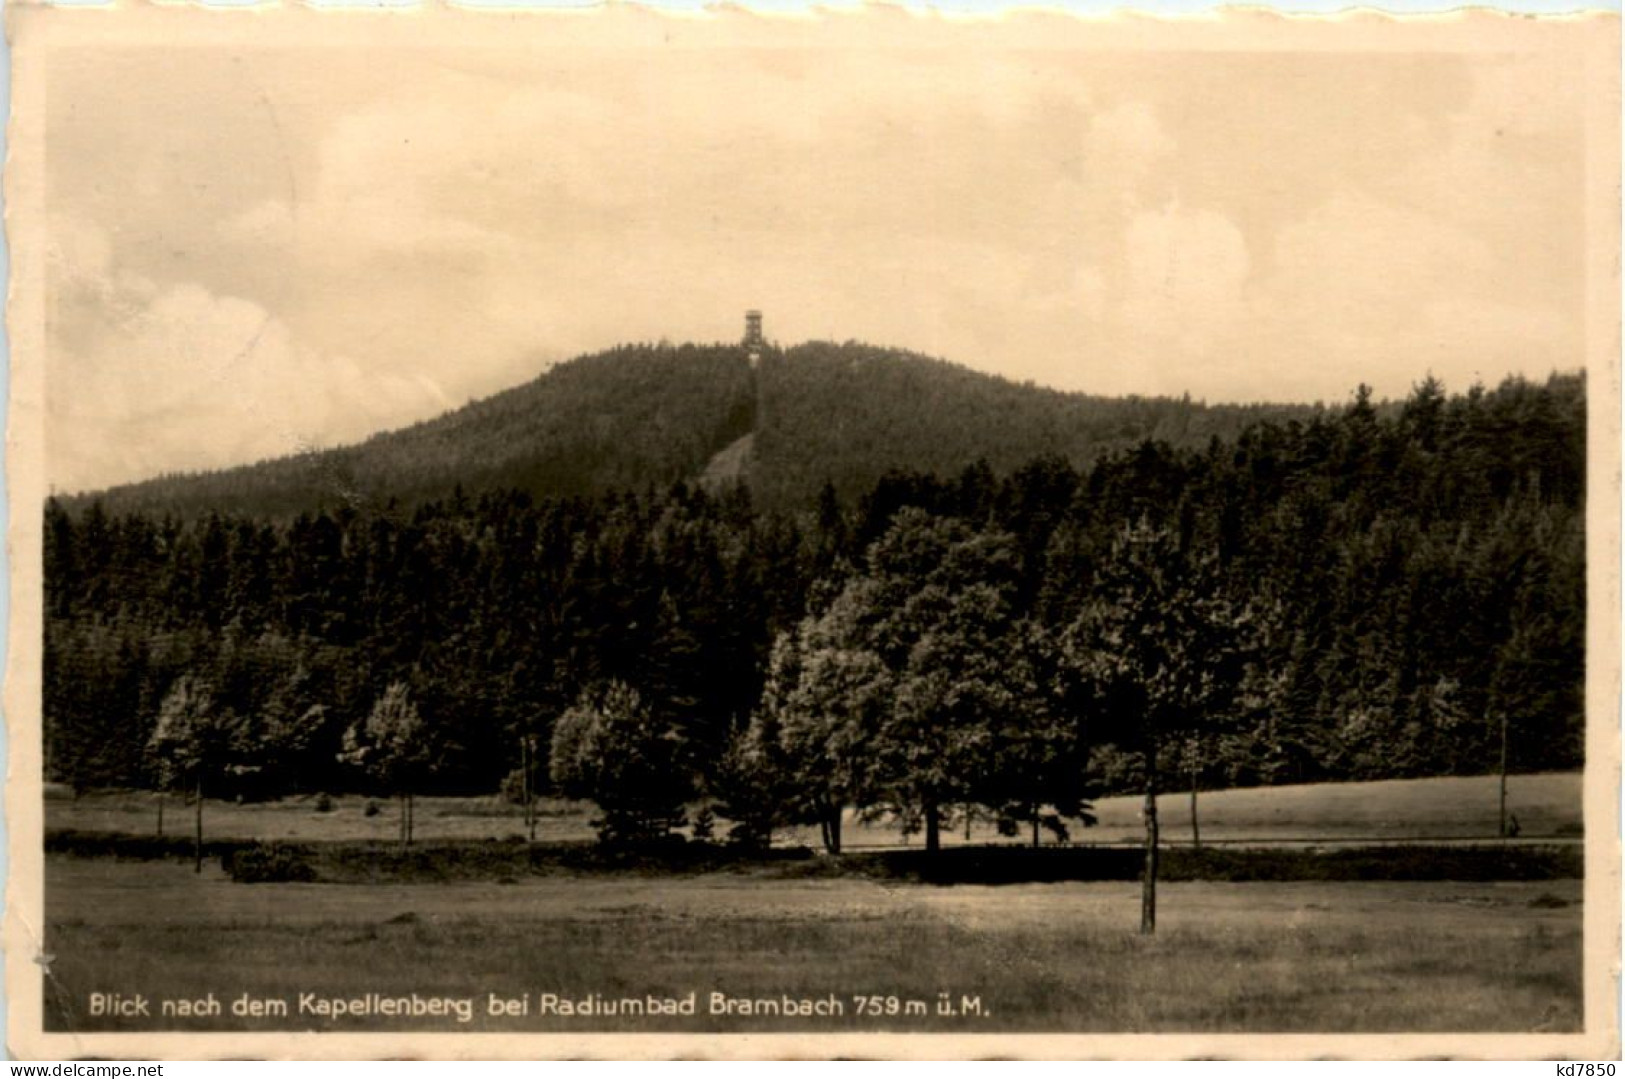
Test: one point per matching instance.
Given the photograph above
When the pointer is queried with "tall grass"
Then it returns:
(1498, 970)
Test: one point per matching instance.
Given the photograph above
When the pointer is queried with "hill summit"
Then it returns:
(782, 421)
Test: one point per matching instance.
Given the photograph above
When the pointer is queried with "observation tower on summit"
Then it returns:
(753, 343)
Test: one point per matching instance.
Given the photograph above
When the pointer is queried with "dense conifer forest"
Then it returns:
(1281, 596)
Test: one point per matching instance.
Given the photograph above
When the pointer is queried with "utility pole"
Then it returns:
(197, 835)
(530, 790)
(1196, 825)
(524, 778)
(1503, 775)
(1148, 882)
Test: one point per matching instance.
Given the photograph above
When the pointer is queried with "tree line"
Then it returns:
(1368, 593)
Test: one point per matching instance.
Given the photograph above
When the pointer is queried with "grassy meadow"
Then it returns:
(1236, 954)
(1357, 957)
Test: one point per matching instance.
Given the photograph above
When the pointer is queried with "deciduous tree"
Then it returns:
(1159, 646)
(611, 748)
(191, 742)
(393, 747)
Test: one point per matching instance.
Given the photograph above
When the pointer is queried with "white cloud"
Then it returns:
(1117, 225)
(153, 380)
(269, 222)
(1185, 272)
(1128, 138)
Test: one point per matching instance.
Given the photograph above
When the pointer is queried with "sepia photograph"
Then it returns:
(864, 533)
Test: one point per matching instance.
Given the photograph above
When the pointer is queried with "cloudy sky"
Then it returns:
(254, 250)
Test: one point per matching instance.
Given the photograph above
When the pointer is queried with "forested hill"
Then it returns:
(1377, 594)
(850, 413)
(648, 415)
(627, 418)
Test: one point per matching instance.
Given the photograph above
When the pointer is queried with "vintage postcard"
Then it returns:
(865, 533)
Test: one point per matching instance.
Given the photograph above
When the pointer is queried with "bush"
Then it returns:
(127, 847)
(268, 863)
(1118, 771)
(1010, 865)
(512, 787)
